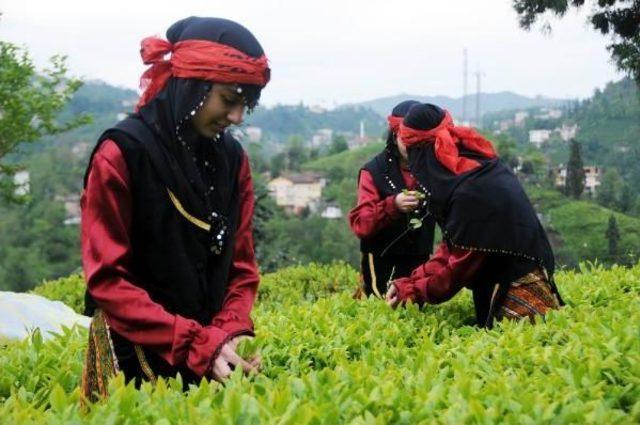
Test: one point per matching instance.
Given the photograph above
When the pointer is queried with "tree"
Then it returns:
(618, 18)
(613, 236)
(626, 199)
(506, 147)
(575, 172)
(29, 106)
(609, 190)
(338, 144)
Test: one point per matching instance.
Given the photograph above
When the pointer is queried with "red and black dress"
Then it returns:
(390, 246)
(167, 245)
(493, 242)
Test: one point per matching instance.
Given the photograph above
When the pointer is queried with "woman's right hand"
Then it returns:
(406, 202)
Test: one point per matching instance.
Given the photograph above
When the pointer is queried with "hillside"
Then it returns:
(330, 359)
(280, 122)
(490, 102)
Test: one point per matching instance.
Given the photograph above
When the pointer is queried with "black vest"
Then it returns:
(172, 257)
(388, 180)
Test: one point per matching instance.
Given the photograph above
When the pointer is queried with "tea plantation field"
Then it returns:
(330, 359)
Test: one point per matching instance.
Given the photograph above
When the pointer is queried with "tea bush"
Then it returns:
(330, 359)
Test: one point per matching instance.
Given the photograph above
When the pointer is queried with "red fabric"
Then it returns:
(373, 213)
(202, 59)
(440, 278)
(394, 123)
(106, 258)
(446, 137)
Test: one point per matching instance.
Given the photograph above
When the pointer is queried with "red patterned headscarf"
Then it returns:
(446, 138)
(201, 59)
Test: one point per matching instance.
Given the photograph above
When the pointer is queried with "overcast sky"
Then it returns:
(333, 51)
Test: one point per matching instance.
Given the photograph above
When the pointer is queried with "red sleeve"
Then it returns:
(440, 278)
(106, 259)
(372, 213)
(234, 318)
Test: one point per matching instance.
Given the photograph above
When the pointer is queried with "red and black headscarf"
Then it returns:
(209, 49)
(426, 123)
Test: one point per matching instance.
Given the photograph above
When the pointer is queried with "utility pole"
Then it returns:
(479, 76)
(465, 78)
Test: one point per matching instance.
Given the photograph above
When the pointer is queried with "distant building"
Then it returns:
(80, 149)
(332, 211)
(71, 207)
(358, 142)
(568, 132)
(592, 178)
(254, 134)
(504, 125)
(297, 192)
(549, 113)
(21, 180)
(538, 137)
(317, 109)
(520, 118)
(322, 138)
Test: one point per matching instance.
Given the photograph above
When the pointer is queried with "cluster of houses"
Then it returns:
(322, 138)
(538, 137)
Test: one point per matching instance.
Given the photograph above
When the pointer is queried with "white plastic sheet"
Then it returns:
(21, 313)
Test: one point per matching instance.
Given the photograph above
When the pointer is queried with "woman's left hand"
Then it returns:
(392, 297)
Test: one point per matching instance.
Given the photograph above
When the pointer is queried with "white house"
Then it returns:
(568, 132)
(21, 181)
(538, 137)
(332, 211)
(520, 117)
(321, 138)
(297, 192)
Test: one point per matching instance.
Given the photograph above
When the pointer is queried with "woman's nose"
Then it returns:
(236, 114)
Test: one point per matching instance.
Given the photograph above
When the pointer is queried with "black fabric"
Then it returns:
(129, 364)
(385, 170)
(424, 116)
(485, 208)
(172, 257)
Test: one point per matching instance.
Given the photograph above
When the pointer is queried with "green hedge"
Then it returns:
(331, 359)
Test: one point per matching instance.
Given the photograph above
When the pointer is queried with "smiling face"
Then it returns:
(224, 106)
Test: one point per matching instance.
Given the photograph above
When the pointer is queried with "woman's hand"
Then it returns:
(406, 202)
(392, 297)
(228, 360)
